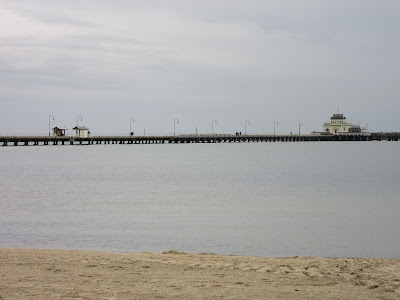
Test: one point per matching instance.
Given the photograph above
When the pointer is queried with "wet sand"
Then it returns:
(66, 274)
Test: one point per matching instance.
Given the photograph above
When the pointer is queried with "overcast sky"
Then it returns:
(198, 61)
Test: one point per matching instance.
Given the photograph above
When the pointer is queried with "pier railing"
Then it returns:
(190, 138)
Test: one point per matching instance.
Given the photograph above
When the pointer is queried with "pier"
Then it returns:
(183, 139)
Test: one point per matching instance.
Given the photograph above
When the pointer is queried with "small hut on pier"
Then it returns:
(81, 131)
(59, 131)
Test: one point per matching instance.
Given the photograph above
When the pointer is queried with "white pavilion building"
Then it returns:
(338, 124)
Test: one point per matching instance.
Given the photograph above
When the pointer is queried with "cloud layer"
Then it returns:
(290, 61)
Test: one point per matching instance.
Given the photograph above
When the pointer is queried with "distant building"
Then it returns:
(338, 124)
(59, 131)
(81, 131)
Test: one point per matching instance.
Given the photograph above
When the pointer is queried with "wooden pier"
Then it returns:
(183, 139)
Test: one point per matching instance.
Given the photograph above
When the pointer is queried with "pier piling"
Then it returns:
(189, 139)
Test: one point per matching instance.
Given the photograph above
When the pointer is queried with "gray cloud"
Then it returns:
(232, 61)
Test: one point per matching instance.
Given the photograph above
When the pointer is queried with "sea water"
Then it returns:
(262, 199)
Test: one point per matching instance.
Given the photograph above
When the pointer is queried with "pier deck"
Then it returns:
(181, 139)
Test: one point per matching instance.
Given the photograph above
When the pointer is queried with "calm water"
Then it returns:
(265, 199)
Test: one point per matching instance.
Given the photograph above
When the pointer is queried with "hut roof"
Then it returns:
(80, 128)
(61, 128)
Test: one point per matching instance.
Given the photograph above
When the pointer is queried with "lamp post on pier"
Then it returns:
(300, 124)
(49, 122)
(131, 120)
(77, 123)
(275, 123)
(245, 126)
(212, 126)
(176, 121)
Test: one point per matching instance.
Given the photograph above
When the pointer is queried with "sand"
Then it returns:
(67, 274)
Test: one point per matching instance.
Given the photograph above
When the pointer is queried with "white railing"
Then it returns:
(24, 134)
(163, 134)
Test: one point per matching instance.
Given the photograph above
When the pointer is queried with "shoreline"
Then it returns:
(81, 274)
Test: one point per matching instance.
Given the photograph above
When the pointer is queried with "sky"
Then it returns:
(260, 61)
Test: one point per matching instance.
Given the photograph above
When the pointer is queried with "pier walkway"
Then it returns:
(181, 139)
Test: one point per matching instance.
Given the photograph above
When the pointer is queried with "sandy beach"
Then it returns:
(68, 274)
